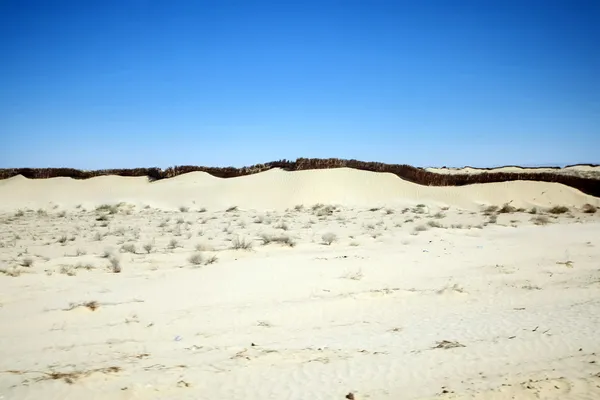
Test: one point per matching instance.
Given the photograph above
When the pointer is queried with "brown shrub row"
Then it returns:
(407, 172)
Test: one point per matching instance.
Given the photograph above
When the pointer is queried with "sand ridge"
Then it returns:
(278, 189)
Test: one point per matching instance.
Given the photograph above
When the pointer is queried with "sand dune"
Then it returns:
(387, 290)
(278, 189)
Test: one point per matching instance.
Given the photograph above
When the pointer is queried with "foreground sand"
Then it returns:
(405, 303)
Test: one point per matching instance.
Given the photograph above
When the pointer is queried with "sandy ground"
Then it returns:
(428, 301)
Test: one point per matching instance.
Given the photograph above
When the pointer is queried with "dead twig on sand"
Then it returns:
(68, 377)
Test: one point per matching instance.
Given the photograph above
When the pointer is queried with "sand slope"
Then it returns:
(278, 189)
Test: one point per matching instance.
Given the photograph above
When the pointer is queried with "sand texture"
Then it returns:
(315, 285)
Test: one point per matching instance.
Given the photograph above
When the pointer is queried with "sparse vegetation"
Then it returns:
(128, 248)
(196, 259)
(435, 224)
(12, 272)
(506, 208)
(148, 247)
(282, 239)
(184, 209)
(420, 228)
(27, 262)
(589, 209)
(173, 244)
(558, 210)
(329, 238)
(115, 265)
(232, 209)
(241, 244)
(540, 220)
(489, 210)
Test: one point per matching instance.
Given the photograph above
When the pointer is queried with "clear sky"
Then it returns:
(139, 83)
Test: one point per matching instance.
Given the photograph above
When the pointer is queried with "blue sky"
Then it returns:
(117, 84)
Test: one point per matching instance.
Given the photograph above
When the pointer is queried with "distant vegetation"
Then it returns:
(416, 175)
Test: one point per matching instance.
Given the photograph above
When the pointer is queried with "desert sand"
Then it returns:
(327, 284)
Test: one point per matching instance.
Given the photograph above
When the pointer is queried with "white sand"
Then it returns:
(366, 314)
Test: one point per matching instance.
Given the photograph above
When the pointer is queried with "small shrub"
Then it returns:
(439, 215)
(533, 210)
(12, 272)
(231, 209)
(80, 252)
(202, 247)
(173, 243)
(435, 224)
(97, 237)
(540, 220)
(196, 259)
(283, 226)
(201, 210)
(589, 209)
(61, 214)
(128, 248)
(184, 209)
(115, 265)
(42, 212)
(241, 244)
(148, 247)
(558, 210)
(493, 219)
(67, 270)
(27, 262)
(489, 210)
(420, 228)
(19, 213)
(507, 208)
(329, 238)
(63, 239)
(282, 239)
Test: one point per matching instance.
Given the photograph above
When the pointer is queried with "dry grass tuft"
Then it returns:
(196, 259)
(128, 248)
(115, 265)
(282, 239)
(241, 244)
(589, 209)
(148, 247)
